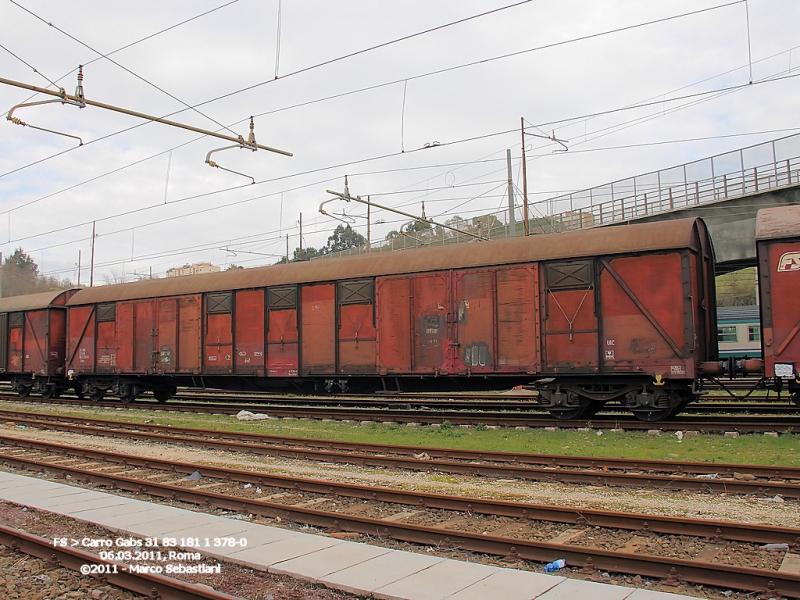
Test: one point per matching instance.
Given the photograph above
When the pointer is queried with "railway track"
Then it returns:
(425, 415)
(707, 552)
(719, 478)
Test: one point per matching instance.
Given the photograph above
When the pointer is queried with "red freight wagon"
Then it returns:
(33, 341)
(622, 313)
(778, 250)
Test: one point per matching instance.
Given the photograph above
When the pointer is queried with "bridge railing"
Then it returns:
(754, 169)
(750, 170)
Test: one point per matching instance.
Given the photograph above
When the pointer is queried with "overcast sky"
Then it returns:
(465, 85)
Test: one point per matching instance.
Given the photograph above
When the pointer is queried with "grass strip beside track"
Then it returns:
(783, 450)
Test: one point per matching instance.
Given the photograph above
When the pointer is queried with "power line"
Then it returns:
(34, 69)
(384, 44)
(385, 84)
(127, 70)
(143, 39)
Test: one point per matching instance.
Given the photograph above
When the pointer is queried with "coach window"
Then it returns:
(15, 320)
(727, 333)
(106, 313)
(753, 333)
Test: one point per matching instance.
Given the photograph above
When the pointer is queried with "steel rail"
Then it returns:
(751, 424)
(690, 476)
(727, 530)
(514, 459)
(150, 585)
(705, 573)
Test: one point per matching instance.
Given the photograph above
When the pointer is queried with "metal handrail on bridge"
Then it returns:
(758, 168)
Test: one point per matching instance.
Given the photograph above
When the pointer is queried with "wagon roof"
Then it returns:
(33, 301)
(778, 222)
(643, 237)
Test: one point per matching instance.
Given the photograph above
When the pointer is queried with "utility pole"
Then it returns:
(348, 198)
(525, 224)
(368, 207)
(91, 272)
(287, 248)
(552, 137)
(79, 268)
(512, 224)
(301, 236)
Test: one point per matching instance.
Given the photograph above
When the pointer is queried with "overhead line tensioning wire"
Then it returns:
(487, 60)
(139, 41)
(126, 69)
(382, 45)
(567, 120)
(27, 64)
(431, 73)
(259, 197)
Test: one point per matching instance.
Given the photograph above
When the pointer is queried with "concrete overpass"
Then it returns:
(726, 190)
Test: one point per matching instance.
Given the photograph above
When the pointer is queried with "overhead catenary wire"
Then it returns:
(124, 68)
(27, 64)
(598, 149)
(304, 186)
(143, 39)
(394, 82)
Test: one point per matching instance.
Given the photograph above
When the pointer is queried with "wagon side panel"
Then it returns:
(318, 329)
(249, 332)
(80, 339)
(167, 333)
(393, 306)
(430, 309)
(190, 327)
(647, 315)
(145, 327)
(106, 338)
(4, 342)
(282, 335)
(57, 343)
(517, 319)
(474, 316)
(357, 336)
(779, 275)
(218, 339)
(570, 320)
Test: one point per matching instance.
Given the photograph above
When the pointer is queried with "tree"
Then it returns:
(344, 238)
(21, 276)
(737, 288)
(233, 267)
(308, 254)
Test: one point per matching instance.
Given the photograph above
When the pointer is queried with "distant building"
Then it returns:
(194, 269)
(577, 220)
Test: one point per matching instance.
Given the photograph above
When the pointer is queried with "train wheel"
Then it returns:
(129, 393)
(24, 391)
(659, 414)
(97, 395)
(586, 408)
(77, 389)
(50, 391)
